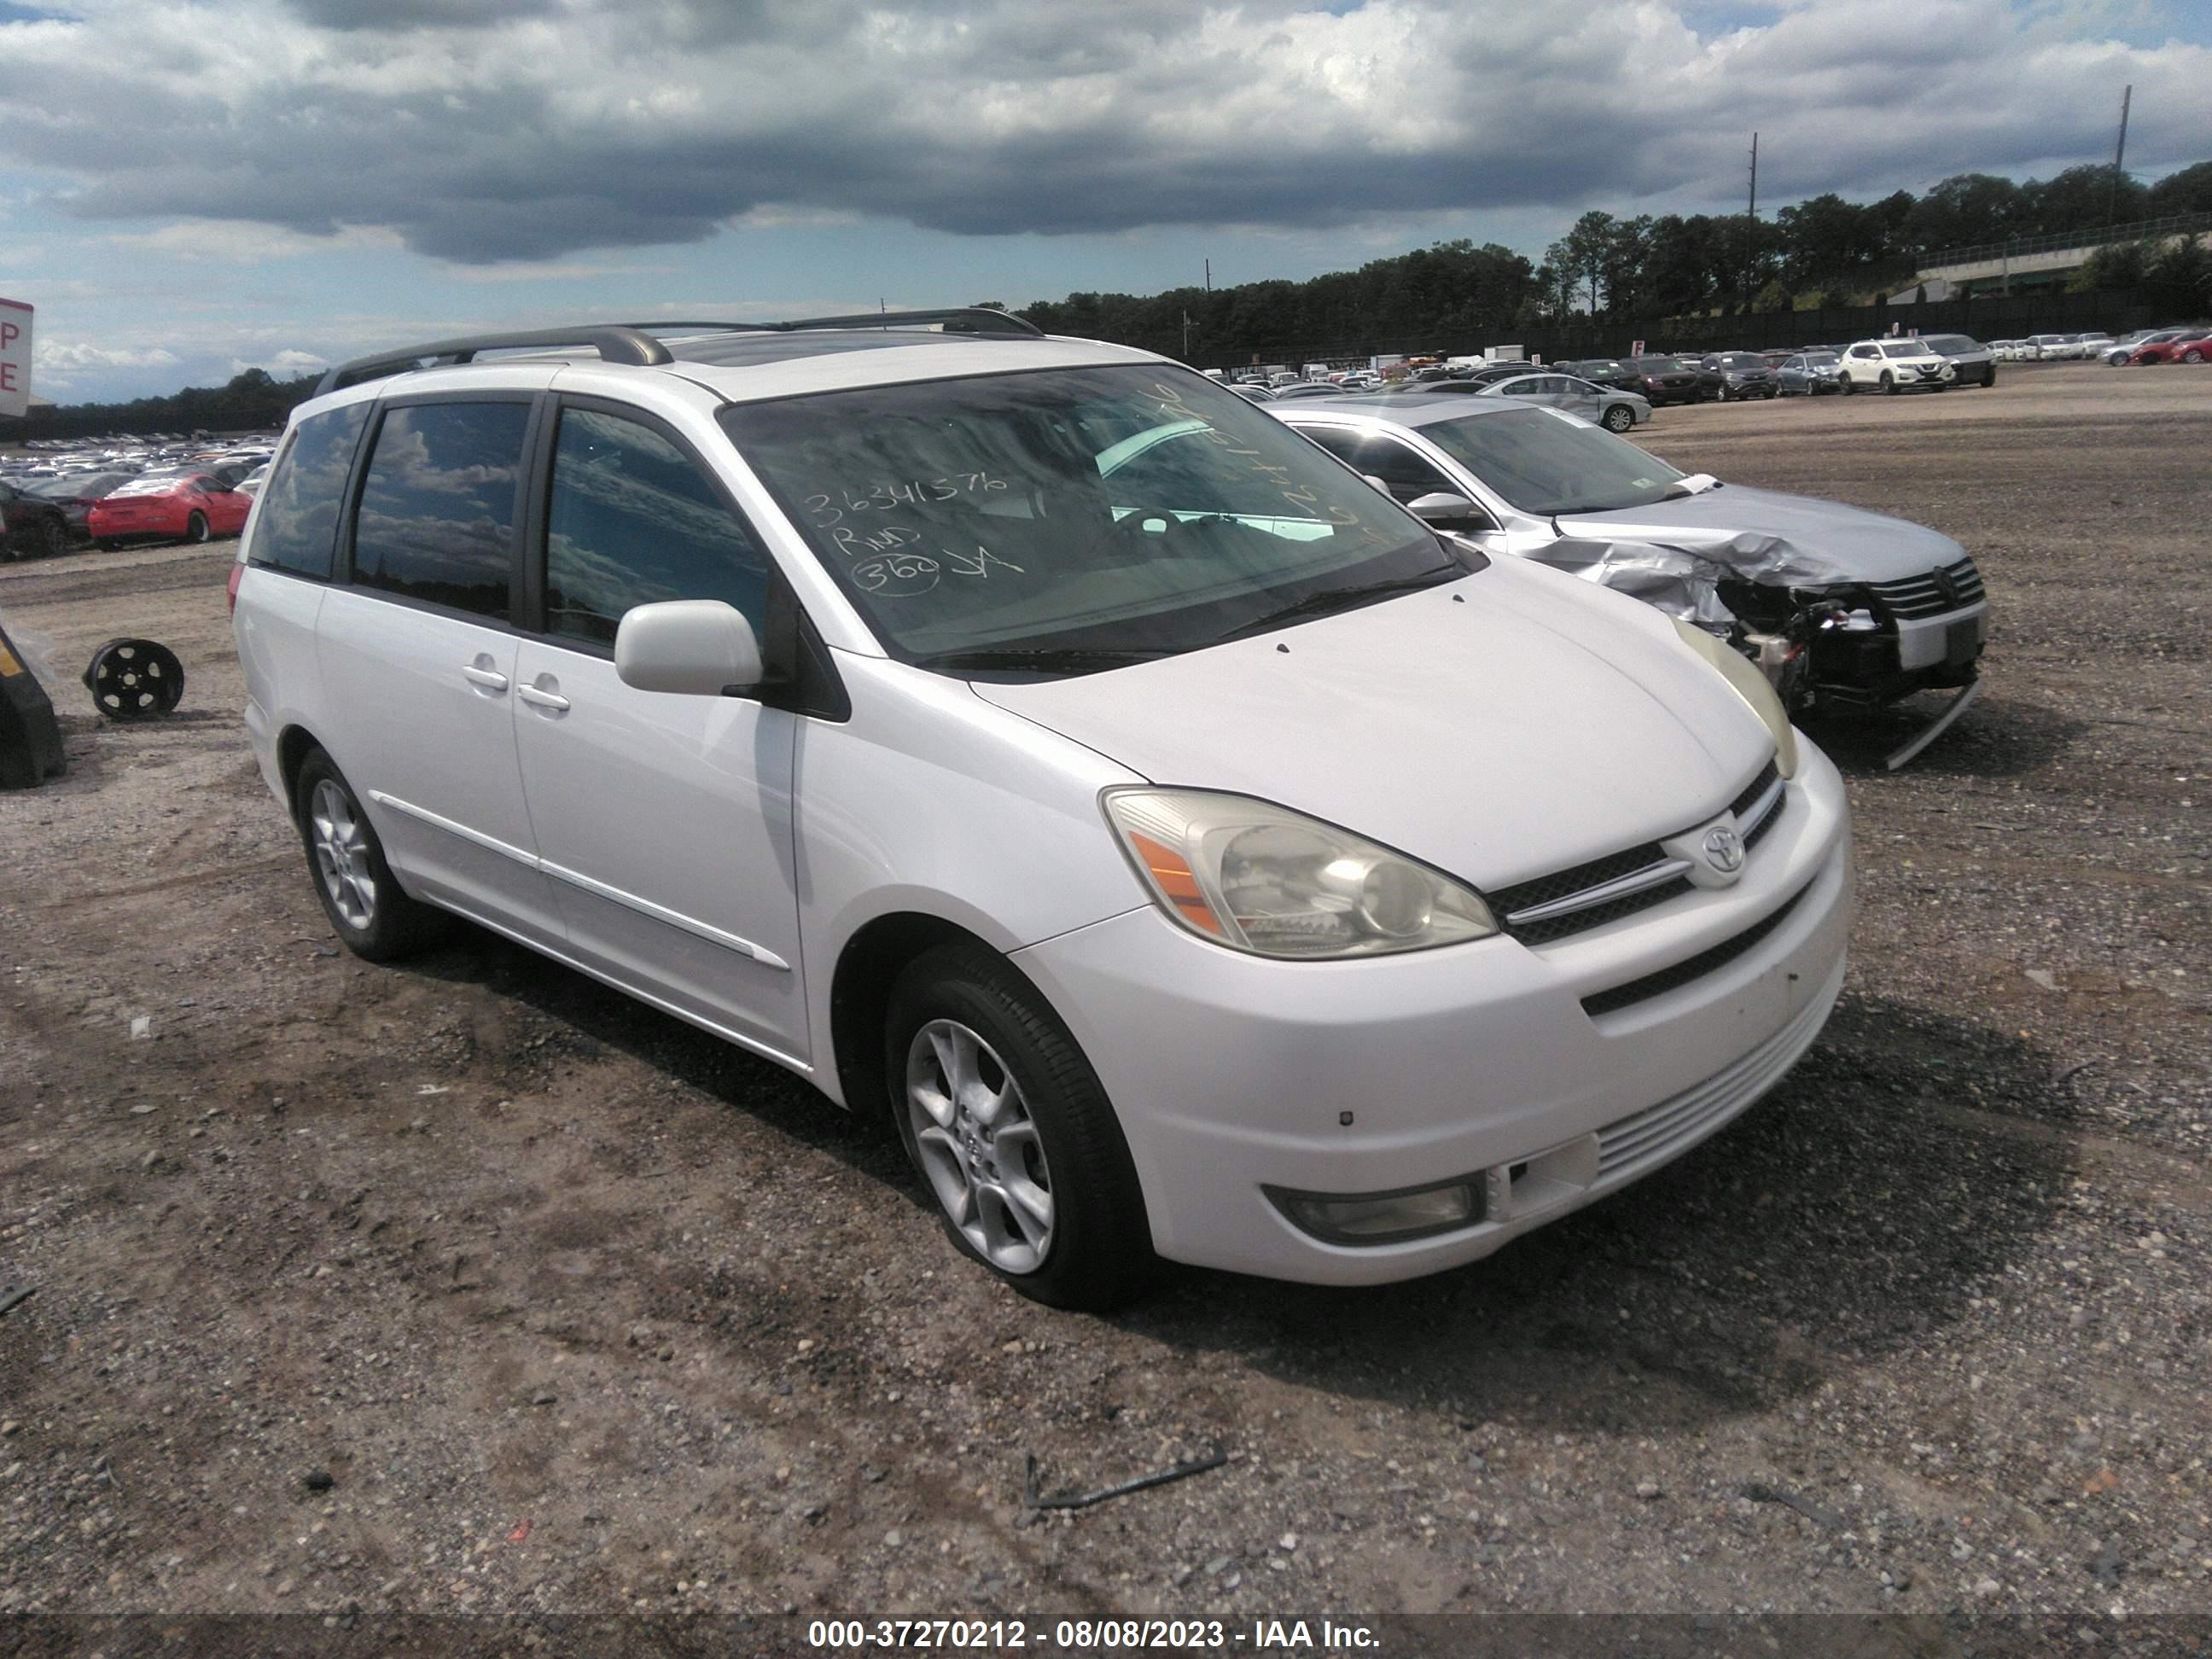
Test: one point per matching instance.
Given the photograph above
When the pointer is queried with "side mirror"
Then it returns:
(1448, 512)
(693, 648)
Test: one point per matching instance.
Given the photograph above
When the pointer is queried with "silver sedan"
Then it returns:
(1610, 407)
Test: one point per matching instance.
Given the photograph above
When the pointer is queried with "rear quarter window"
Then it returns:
(299, 504)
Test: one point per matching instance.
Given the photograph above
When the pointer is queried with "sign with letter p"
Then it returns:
(15, 357)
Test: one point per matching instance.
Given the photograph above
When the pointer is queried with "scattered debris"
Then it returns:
(1759, 1492)
(1212, 1459)
(521, 1531)
(317, 1480)
(14, 1297)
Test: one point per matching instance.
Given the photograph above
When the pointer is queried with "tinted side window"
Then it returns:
(437, 506)
(632, 521)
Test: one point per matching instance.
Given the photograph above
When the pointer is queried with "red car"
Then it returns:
(189, 506)
(2193, 348)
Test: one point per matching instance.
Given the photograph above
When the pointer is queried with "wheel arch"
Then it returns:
(294, 744)
(868, 966)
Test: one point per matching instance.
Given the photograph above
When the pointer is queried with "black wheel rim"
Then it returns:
(135, 680)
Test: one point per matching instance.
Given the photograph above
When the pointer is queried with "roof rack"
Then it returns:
(959, 319)
(634, 342)
(617, 343)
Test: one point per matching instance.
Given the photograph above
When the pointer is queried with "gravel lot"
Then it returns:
(472, 1286)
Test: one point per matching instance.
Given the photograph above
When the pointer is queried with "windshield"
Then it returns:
(1543, 461)
(1950, 343)
(1139, 509)
(1742, 360)
(1659, 365)
(1904, 349)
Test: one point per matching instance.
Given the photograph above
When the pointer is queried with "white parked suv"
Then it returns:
(1191, 852)
(1893, 366)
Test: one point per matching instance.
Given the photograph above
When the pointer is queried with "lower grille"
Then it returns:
(1696, 968)
(1657, 1132)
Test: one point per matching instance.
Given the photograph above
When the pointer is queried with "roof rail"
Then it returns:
(616, 343)
(634, 342)
(962, 320)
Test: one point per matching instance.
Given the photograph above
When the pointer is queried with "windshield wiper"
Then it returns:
(1047, 658)
(1343, 598)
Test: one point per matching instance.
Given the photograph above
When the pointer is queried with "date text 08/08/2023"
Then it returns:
(1257, 1636)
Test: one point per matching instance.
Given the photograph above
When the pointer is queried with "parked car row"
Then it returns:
(62, 492)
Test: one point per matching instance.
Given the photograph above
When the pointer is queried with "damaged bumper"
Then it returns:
(1819, 636)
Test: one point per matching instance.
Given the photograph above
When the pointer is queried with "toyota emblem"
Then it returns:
(1724, 849)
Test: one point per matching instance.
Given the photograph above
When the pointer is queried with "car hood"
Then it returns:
(1500, 727)
(1766, 536)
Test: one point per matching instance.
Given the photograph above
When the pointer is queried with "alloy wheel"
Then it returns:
(341, 854)
(979, 1146)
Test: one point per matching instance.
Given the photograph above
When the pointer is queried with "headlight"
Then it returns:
(1262, 878)
(1740, 672)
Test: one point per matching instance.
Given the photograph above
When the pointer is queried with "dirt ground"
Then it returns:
(470, 1285)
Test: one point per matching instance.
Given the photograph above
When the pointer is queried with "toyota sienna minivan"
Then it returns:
(1197, 857)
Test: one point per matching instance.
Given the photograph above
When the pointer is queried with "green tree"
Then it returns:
(2188, 190)
(1964, 210)
(2180, 277)
(2083, 198)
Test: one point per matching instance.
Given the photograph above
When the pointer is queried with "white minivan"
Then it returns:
(1195, 857)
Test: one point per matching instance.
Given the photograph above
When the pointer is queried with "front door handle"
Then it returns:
(541, 698)
(490, 678)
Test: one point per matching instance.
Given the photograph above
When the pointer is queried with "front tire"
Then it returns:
(2192, 355)
(1618, 418)
(196, 527)
(51, 540)
(1013, 1133)
(1888, 384)
(374, 919)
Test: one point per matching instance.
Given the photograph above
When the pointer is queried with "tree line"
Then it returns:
(253, 401)
(1825, 251)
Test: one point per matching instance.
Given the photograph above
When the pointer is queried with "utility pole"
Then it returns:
(1209, 275)
(1186, 337)
(1751, 223)
(2119, 157)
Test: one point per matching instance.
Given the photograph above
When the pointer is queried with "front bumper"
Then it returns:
(1229, 1072)
(1921, 654)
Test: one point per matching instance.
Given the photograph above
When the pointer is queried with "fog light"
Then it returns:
(1382, 1217)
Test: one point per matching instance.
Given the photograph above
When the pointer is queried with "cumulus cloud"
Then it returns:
(281, 364)
(243, 242)
(60, 356)
(522, 131)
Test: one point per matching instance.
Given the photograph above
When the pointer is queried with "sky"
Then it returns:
(187, 189)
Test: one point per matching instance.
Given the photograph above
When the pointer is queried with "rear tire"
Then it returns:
(374, 919)
(1849, 385)
(1025, 1119)
(51, 540)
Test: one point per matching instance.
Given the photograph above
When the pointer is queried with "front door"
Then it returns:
(664, 823)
